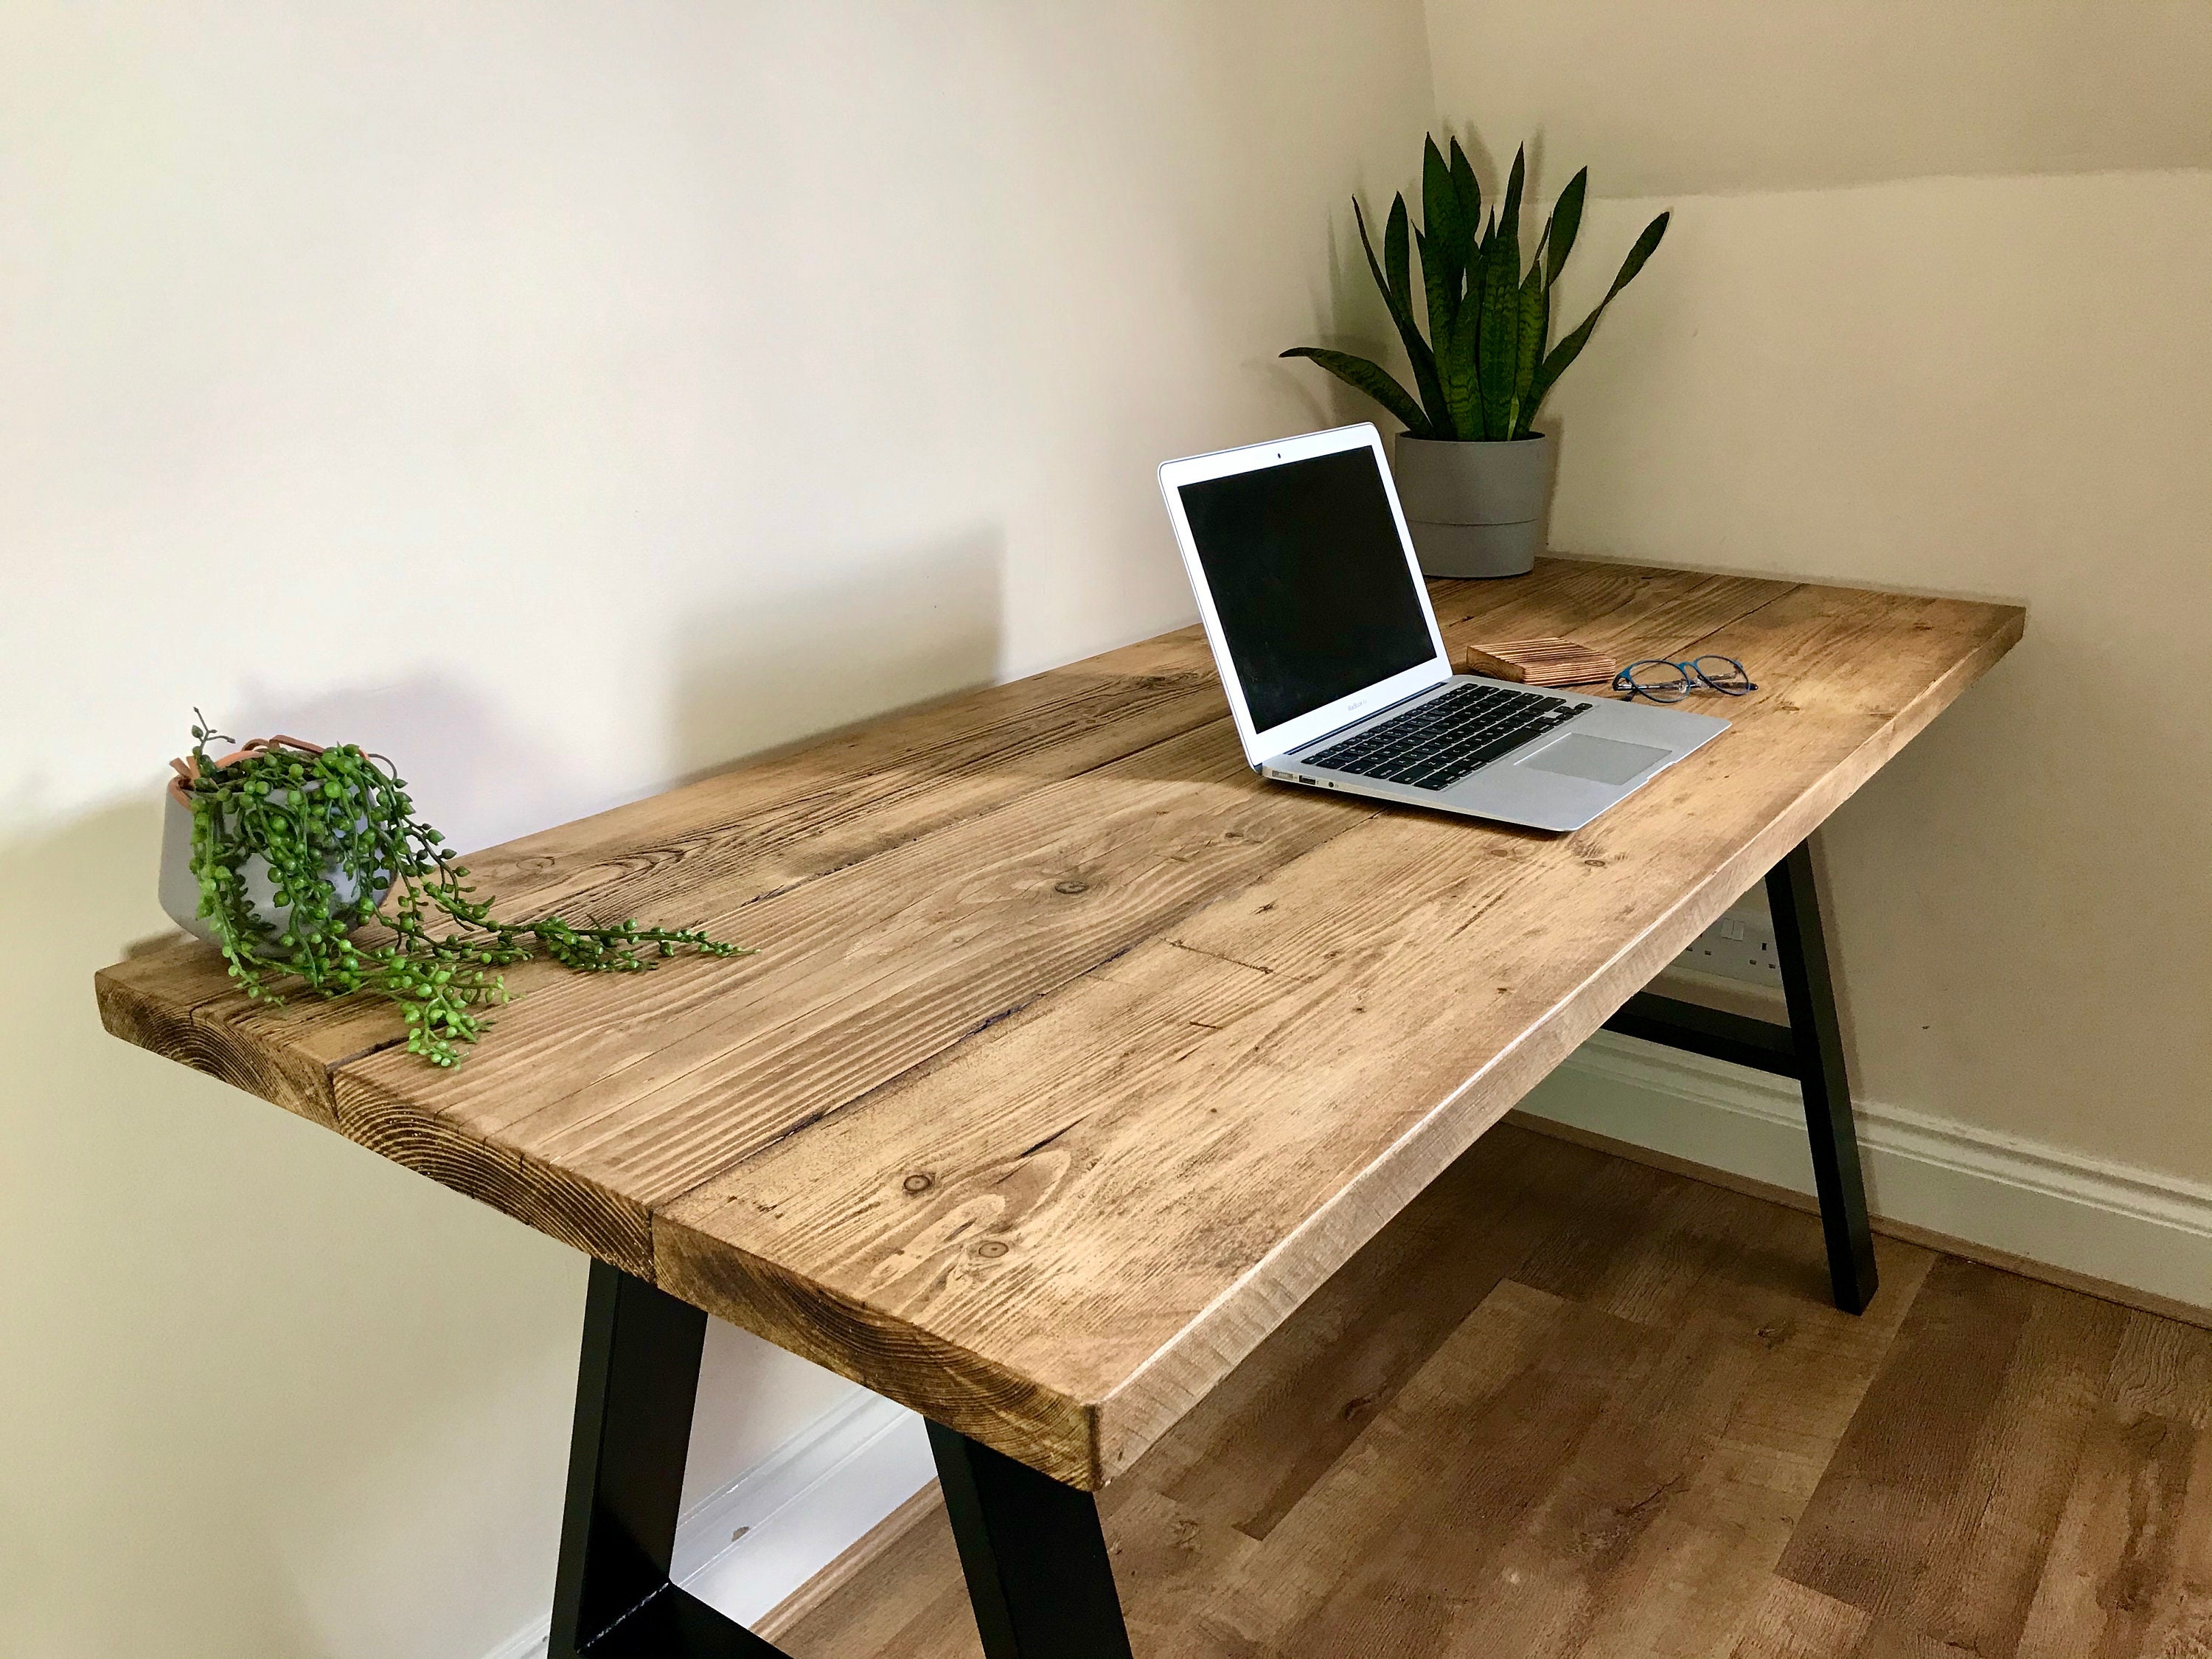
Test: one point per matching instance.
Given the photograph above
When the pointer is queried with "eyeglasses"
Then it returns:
(1671, 682)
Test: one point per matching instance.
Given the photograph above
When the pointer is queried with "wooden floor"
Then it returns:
(1568, 1405)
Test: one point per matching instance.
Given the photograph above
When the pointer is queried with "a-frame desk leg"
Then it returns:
(1803, 946)
(1809, 1049)
(1035, 1557)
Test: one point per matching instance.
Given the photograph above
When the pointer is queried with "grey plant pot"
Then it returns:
(180, 889)
(1475, 509)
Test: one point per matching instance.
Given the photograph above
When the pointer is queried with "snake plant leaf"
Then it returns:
(1448, 235)
(1395, 258)
(1563, 354)
(1535, 317)
(1457, 367)
(1508, 217)
(1478, 272)
(1401, 312)
(1443, 305)
(1566, 221)
(1371, 378)
(1498, 354)
(1470, 193)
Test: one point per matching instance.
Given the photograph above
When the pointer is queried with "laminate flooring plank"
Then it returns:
(1167, 1561)
(1792, 1622)
(1559, 1479)
(2163, 1369)
(1871, 1523)
(1728, 1460)
(910, 1602)
(2181, 1628)
(1996, 1528)
(2114, 1566)
(1256, 1445)
(1398, 1550)
(1573, 1577)
(2130, 1571)
(1993, 1456)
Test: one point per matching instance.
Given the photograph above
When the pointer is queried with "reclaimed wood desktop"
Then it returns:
(1075, 1057)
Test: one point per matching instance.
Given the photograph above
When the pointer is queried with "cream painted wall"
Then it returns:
(565, 399)
(1699, 96)
(1998, 387)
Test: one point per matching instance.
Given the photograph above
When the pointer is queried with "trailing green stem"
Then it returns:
(337, 828)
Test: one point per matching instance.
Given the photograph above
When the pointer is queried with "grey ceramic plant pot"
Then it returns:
(1475, 510)
(180, 889)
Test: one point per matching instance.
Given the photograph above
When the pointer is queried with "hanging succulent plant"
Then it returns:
(329, 840)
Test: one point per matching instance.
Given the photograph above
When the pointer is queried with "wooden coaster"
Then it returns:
(1545, 661)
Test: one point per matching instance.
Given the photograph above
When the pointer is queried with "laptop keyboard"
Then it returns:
(1434, 744)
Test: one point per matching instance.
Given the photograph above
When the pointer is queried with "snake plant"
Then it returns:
(1488, 359)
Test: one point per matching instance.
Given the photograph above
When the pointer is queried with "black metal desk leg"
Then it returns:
(1803, 949)
(611, 1595)
(1033, 1556)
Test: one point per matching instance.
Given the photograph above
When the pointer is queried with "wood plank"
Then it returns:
(1482, 1512)
(1942, 1540)
(873, 1550)
(861, 974)
(783, 820)
(1074, 1061)
(2130, 1569)
(1317, 1382)
(1131, 1275)
(1407, 1565)
(2163, 1370)
(1792, 1622)
(757, 830)
(2104, 1290)
(2140, 1509)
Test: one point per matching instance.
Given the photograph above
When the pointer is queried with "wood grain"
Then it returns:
(1623, 1467)
(1074, 1060)
(1413, 976)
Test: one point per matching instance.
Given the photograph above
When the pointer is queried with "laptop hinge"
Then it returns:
(1314, 742)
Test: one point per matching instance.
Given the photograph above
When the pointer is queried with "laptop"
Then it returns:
(1336, 672)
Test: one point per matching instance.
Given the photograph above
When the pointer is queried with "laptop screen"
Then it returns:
(1310, 580)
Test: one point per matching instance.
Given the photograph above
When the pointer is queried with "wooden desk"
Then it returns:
(1074, 1057)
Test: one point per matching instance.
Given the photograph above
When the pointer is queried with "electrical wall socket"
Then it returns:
(1735, 947)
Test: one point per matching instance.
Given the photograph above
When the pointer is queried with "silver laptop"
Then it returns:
(1336, 672)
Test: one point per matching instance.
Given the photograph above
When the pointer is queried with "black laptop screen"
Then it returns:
(1309, 582)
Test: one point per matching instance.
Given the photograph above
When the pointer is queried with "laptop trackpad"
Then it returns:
(1602, 760)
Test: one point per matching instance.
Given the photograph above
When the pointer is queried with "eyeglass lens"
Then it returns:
(1662, 681)
(1722, 674)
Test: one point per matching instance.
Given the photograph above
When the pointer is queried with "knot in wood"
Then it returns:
(991, 1249)
(1070, 885)
(918, 1183)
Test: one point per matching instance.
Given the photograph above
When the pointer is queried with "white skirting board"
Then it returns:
(818, 1495)
(2130, 1226)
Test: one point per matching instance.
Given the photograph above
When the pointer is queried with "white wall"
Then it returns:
(563, 398)
(1849, 361)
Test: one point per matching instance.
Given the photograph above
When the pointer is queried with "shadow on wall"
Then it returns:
(900, 628)
(474, 774)
(226, 1323)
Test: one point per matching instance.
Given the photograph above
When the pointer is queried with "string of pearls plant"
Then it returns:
(344, 849)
